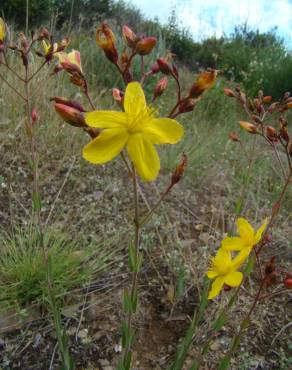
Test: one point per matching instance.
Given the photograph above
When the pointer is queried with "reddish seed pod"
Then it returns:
(179, 171)
(229, 92)
(146, 45)
(288, 281)
(233, 136)
(164, 66)
(160, 87)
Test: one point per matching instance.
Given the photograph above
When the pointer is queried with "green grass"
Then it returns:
(23, 270)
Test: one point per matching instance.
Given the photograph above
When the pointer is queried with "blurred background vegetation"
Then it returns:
(256, 60)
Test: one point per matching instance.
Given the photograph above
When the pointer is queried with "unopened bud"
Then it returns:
(179, 171)
(226, 288)
(271, 134)
(23, 41)
(267, 99)
(44, 33)
(146, 45)
(229, 92)
(34, 116)
(288, 281)
(204, 81)
(68, 102)
(233, 136)
(155, 68)
(164, 66)
(129, 36)
(106, 40)
(70, 115)
(118, 96)
(273, 107)
(249, 127)
(160, 87)
(187, 105)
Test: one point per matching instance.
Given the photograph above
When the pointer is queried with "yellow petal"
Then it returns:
(212, 274)
(134, 103)
(106, 119)
(260, 231)
(2, 29)
(240, 258)
(216, 287)
(74, 58)
(163, 131)
(233, 243)
(234, 278)
(222, 257)
(144, 156)
(245, 230)
(106, 146)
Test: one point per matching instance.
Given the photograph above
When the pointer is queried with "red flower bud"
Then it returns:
(187, 105)
(70, 115)
(160, 87)
(249, 127)
(272, 134)
(106, 40)
(34, 116)
(129, 36)
(164, 66)
(229, 92)
(233, 136)
(146, 45)
(179, 171)
(288, 281)
(267, 99)
(70, 103)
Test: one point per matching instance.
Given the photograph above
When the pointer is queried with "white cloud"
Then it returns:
(210, 17)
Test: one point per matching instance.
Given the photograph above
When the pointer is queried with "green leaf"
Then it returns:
(224, 363)
(127, 301)
(36, 201)
(134, 301)
(221, 320)
(180, 288)
(132, 258)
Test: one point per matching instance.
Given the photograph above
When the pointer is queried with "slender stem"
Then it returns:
(89, 99)
(12, 70)
(136, 252)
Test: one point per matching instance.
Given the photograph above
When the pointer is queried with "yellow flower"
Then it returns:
(49, 48)
(224, 271)
(2, 30)
(136, 129)
(247, 238)
(70, 61)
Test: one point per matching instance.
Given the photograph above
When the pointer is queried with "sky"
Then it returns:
(206, 18)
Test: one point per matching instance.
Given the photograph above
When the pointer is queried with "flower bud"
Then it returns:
(70, 62)
(68, 102)
(204, 81)
(187, 105)
(2, 30)
(129, 36)
(179, 170)
(106, 40)
(146, 45)
(233, 136)
(118, 96)
(267, 99)
(271, 134)
(70, 115)
(34, 116)
(273, 107)
(229, 92)
(155, 68)
(164, 66)
(288, 281)
(160, 87)
(23, 41)
(249, 127)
